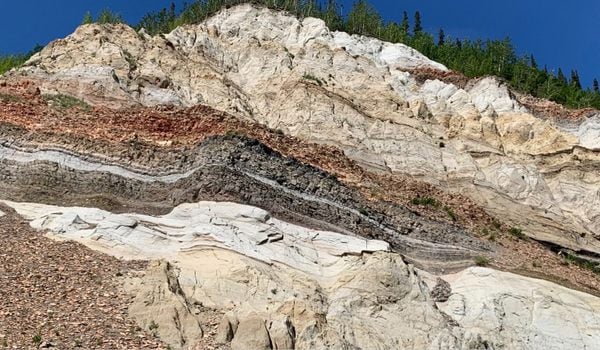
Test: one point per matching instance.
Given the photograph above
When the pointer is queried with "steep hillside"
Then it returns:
(308, 188)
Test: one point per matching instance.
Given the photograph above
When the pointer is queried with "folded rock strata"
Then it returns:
(283, 253)
(353, 92)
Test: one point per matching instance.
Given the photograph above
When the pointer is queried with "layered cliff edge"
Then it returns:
(308, 187)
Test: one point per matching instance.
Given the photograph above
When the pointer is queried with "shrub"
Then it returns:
(518, 233)
(451, 213)
(426, 201)
(583, 263)
(37, 339)
(62, 101)
(481, 260)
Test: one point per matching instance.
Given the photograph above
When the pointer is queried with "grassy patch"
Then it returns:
(425, 201)
(518, 233)
(583, 263)
(481, 260)
(9, 98)
(451, 213)
(62, 101)
(37, 339)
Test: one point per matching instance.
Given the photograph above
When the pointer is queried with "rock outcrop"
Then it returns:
(316, 289)
(355, 93)
(259, 162)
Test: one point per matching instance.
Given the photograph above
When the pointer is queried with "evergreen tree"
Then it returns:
(405, 25)
(561, 77)
(441, 37)
(332, 16)
(595, 86)
(417, 28)
(575, 82)
(473, 58)
(107, 16)
(532, 62)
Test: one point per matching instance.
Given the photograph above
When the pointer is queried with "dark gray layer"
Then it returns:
(224, 168)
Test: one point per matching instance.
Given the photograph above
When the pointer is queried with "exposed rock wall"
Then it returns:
(279, 283)
(229, 168)
(281, 252)
(355, 93)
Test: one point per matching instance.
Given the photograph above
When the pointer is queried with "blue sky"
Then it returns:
(559, 33)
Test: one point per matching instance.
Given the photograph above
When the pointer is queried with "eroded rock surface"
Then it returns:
(316, 289)
(257, 246)
(355, 93)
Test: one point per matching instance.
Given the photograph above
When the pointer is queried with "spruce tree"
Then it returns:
(532, 62)
(561, 77)
(596, 87)
(575, 82)
(417, 28)
(441, 37)
(405, 25)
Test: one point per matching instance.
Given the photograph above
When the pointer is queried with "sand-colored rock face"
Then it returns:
(537, 314)
(281, 284)
(352, 92)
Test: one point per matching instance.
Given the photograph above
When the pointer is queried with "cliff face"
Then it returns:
(306, 186)
(355, 93)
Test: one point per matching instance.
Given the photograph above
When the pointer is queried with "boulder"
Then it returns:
(251, 334)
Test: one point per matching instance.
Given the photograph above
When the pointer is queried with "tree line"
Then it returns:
(8, 62)
(473, 58)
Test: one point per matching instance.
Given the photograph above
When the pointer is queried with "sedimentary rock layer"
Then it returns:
(280, 283)
(355, 93)
(225, 168)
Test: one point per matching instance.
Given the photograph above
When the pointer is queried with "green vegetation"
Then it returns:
(153, 326)
(473, 58)
(481, 261)
(8, 62)
(451, 213)
(308, 76)
(583, 263)
(427, 201)
(11, 61)
(37, 339)
(61, 101)
(106, 16)
(9, 98)
(517, 232)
